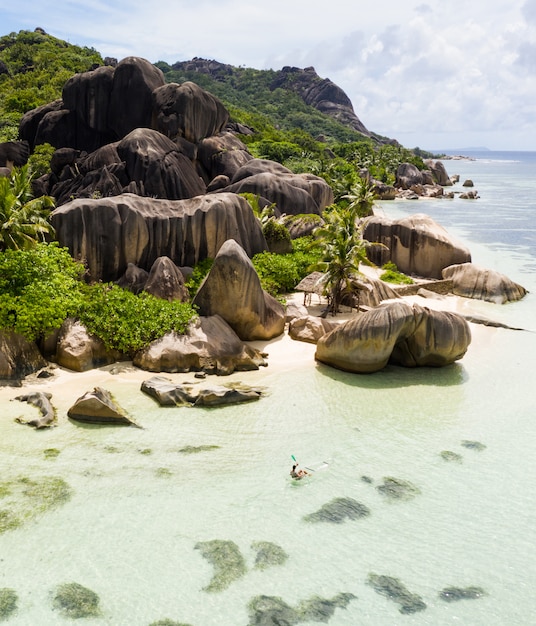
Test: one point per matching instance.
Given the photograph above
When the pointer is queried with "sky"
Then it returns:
(438, 75)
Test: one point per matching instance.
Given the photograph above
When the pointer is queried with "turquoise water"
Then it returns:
(140, 505)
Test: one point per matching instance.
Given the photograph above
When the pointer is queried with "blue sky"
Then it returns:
(439, 75)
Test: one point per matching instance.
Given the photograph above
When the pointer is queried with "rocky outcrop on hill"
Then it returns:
(232, 289)
(471, 281)
(416, 244)
(110, 233)
(320, 93)
(14, 153)
(395, 333)
(209, 345)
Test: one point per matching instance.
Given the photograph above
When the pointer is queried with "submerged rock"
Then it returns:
(228, 562)
(75, 601)
(99, 407)
(453, 594)
(268, 610)
(398, 489)
(393, 589)
(473, 445)
(318, 609)
(268, 554)
(339, 510)
(448, 455)
(8, 602)
(42, 402)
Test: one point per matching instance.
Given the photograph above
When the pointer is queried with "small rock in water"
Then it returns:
(453, 594)
(473, 445)
(447, 455)
(393, 589)
(339, 510)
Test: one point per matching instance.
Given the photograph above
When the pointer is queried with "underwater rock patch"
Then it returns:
(449, 456)
(8, 602)
(228, 562)
(398, 489)
(272, 610)
(75, 601)
(197, 449)
(268, 554)
(167, 622)
(25, 498)
(473, 445)
(454, 594)
(318, 609)
(393, 589)
(339, 510)
(266, 610)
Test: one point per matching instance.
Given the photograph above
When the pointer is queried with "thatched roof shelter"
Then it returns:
(312, 283)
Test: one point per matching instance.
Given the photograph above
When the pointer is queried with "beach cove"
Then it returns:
(142, 506)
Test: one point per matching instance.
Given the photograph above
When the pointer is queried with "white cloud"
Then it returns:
(417, 71)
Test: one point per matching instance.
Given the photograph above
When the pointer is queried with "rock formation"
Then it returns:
(416, 244)
(18, 357)
(471, 281)
(309, 328)
(110, 233)
(42, 402)
(167, 393)
(232, 289)
(395, 333)
(165, 280)
(99, 407)
(79, 351)
(209, 345)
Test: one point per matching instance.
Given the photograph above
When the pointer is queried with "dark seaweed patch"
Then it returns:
(321, 610)
(8, 602)
(268, 554)
(397, 489)
(339, 510)
(473, 445)
(228, 562)
(393, 589)
(75, 601)
(451, 457)
(197, 449)
(454, 594)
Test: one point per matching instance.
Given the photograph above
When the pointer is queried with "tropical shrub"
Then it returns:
(391, 274)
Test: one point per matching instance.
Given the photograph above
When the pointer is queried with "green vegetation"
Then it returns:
(268, 554)
(391, 274)
(75, 601)
(8, 602)
(23, 218)
(51, 453)
(41, 287)
(38, 65)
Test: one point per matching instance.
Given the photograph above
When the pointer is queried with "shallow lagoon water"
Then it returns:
(140, 504)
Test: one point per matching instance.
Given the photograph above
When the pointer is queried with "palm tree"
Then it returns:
(343, 247)
(23, 218)
(361, 197)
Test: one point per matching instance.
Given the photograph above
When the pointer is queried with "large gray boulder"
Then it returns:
(80, 351)
(395, 333)
(188, 111)
(166, 281)
(41, 401)
(110, 233)
(14, 153)
(416, 244)
(18, 357)
(309, 328)
(292, 194)
(471, 281)
(209, 345)
(222, 154)
(232, 289)
(158, 167)
(439, 172)
(167, 393)
(99, 407)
